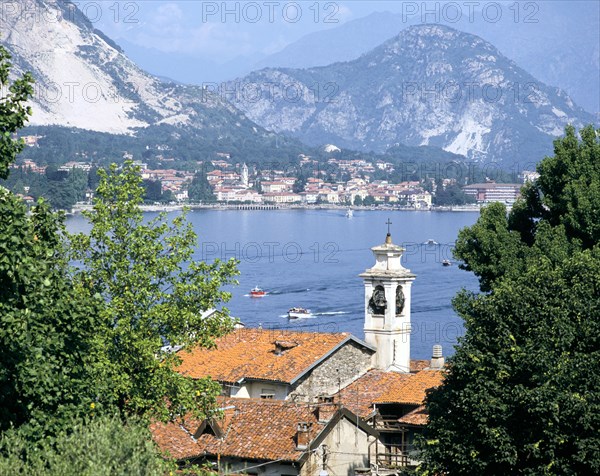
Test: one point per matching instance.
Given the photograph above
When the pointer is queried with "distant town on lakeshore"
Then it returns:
(222, 181)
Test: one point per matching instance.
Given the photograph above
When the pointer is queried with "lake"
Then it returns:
(312, 258)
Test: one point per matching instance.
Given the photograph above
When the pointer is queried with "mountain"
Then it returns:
(85, 81)
(430, 85)
(557, 42)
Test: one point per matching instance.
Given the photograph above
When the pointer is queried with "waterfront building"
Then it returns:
(494, 192)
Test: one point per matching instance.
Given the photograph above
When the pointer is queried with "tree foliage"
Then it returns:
(77, 345)
(521, 394)
(93, 446)
(566, 195)
(200, 190)
(14, 111)
(451, 195)
(155, 294)
(46, 322)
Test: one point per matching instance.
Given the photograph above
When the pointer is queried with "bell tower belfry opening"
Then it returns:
(387, 307)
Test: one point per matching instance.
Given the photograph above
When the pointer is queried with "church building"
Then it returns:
(372, 382)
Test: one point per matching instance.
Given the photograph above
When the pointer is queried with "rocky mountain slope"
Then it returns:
(83, 79)
(557, 42)
(430, 85)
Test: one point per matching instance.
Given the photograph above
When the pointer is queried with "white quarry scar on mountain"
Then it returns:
(73, 91)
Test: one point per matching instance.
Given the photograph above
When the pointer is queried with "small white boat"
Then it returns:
(298, 312)
(431, 242)
(446, 263)
(349, 213)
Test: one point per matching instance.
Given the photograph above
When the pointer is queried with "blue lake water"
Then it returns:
(312, 258)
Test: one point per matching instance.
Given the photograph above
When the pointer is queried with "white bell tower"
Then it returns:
(387, 307)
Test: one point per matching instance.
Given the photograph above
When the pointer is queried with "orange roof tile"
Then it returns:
(413, 390)
(254, 429)
(417, 365)
(251, 354)
(174, 439)
(359, 396)
(417, 417)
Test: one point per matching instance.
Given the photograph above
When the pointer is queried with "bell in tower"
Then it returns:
(387, 307)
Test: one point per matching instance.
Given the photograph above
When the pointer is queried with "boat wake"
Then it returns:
(308, 316)
(312, 315)
(331, 313)
(292, 291)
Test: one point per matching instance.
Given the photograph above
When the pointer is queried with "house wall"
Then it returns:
(347, 449)
(337, 371)
(231, 465)
(256, 389)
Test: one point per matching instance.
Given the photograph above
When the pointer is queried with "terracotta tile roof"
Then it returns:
(417, 417)
(254, 429)
(413, 390)
(359, 396)
(174, 439)
(418, 365)
(251, 354)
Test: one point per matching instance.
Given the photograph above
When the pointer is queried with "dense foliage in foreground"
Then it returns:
(522, 395)
(82, 364)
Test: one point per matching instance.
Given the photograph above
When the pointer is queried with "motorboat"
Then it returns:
(446, 263)
(298, 312)
(257, 292)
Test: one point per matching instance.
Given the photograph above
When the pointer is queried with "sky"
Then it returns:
(195, 41)
(226, 30)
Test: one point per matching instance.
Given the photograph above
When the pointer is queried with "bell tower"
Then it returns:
(387, 307)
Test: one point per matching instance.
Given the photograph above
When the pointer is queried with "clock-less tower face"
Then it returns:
(387, 308)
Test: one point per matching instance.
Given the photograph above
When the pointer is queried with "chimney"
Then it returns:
(437, 360)
(302, 436)
(325, 412)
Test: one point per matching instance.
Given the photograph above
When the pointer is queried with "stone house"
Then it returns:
(270, 438)
(281, 365)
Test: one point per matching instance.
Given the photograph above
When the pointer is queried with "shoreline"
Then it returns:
(264, 207)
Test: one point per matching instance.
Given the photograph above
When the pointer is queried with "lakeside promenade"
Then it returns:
(264, 207)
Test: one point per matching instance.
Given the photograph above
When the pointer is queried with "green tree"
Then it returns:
(521, 393)
(299, 184)
(155, 294)
(46, 321)
(451, 195)
(98, 446)
(567, 193)
(152, 190)
(14, 112)
(199, 190)
(368, 201)
(358, 201)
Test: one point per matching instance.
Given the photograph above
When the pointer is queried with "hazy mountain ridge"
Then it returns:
(430, 85)
(559, 49)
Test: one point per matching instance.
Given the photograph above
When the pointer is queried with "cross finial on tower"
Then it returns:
(388, 238)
